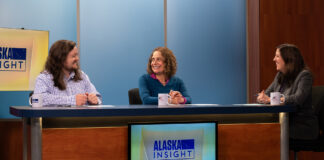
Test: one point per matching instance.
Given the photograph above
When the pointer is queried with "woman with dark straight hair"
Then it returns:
(294, 80)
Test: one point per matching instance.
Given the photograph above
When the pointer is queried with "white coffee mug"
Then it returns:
(36, 100)
(163, 99)
(275, 98)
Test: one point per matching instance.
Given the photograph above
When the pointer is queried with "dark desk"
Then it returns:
(36, 114)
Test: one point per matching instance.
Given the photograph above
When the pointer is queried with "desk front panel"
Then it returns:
(259, 141)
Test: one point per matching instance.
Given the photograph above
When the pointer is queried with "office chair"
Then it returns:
(31, 93)
(318, 103)
(134, 97)
(320, 109)
(316, 145)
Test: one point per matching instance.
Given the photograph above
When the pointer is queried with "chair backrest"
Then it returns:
(134, 97)
(317, 144)
(318, 103)
(31, 93)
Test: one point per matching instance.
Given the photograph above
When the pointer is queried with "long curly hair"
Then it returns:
(169, 61)
(55, 62)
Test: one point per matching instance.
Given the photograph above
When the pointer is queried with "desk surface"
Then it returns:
(145, 110)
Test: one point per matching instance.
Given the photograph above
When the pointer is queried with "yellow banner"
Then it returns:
(22, 57)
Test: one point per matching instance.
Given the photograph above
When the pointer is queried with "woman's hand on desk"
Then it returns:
(176, 97)
(263, 98)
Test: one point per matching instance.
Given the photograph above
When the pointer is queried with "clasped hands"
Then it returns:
(82, 99)
(263, 98)
(176, 97)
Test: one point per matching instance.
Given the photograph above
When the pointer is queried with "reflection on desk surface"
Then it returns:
(249, 104)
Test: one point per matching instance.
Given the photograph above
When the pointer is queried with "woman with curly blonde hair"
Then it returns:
(161, 69)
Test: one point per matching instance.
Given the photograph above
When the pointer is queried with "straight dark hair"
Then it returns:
(294, 63)
(55, 62)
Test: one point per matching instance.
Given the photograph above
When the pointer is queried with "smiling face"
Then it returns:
(72, 60)
(280, 63)
(157, 63)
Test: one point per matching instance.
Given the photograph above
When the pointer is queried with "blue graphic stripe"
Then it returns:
(19, 53)
(188, 144)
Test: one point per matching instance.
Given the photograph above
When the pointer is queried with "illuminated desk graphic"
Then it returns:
(121, 115)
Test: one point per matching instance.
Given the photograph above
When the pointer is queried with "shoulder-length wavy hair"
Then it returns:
(55, 62)
(294, 63)
(169, 61)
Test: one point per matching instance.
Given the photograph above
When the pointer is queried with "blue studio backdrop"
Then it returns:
(207, 36)
(209, 40)
(117, 36)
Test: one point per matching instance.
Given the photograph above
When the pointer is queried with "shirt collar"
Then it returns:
(154, 77)
(71, 76)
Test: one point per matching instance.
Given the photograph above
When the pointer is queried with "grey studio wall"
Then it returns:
(117, 36)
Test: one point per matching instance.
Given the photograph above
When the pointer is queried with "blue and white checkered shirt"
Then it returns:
(54, 96)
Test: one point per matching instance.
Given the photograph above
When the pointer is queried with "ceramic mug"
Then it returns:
(163, 99)
(36, 100)
(275, 98)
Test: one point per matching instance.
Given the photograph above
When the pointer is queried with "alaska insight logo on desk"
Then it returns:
(172, 145)
(174, 149)
(12, 59)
